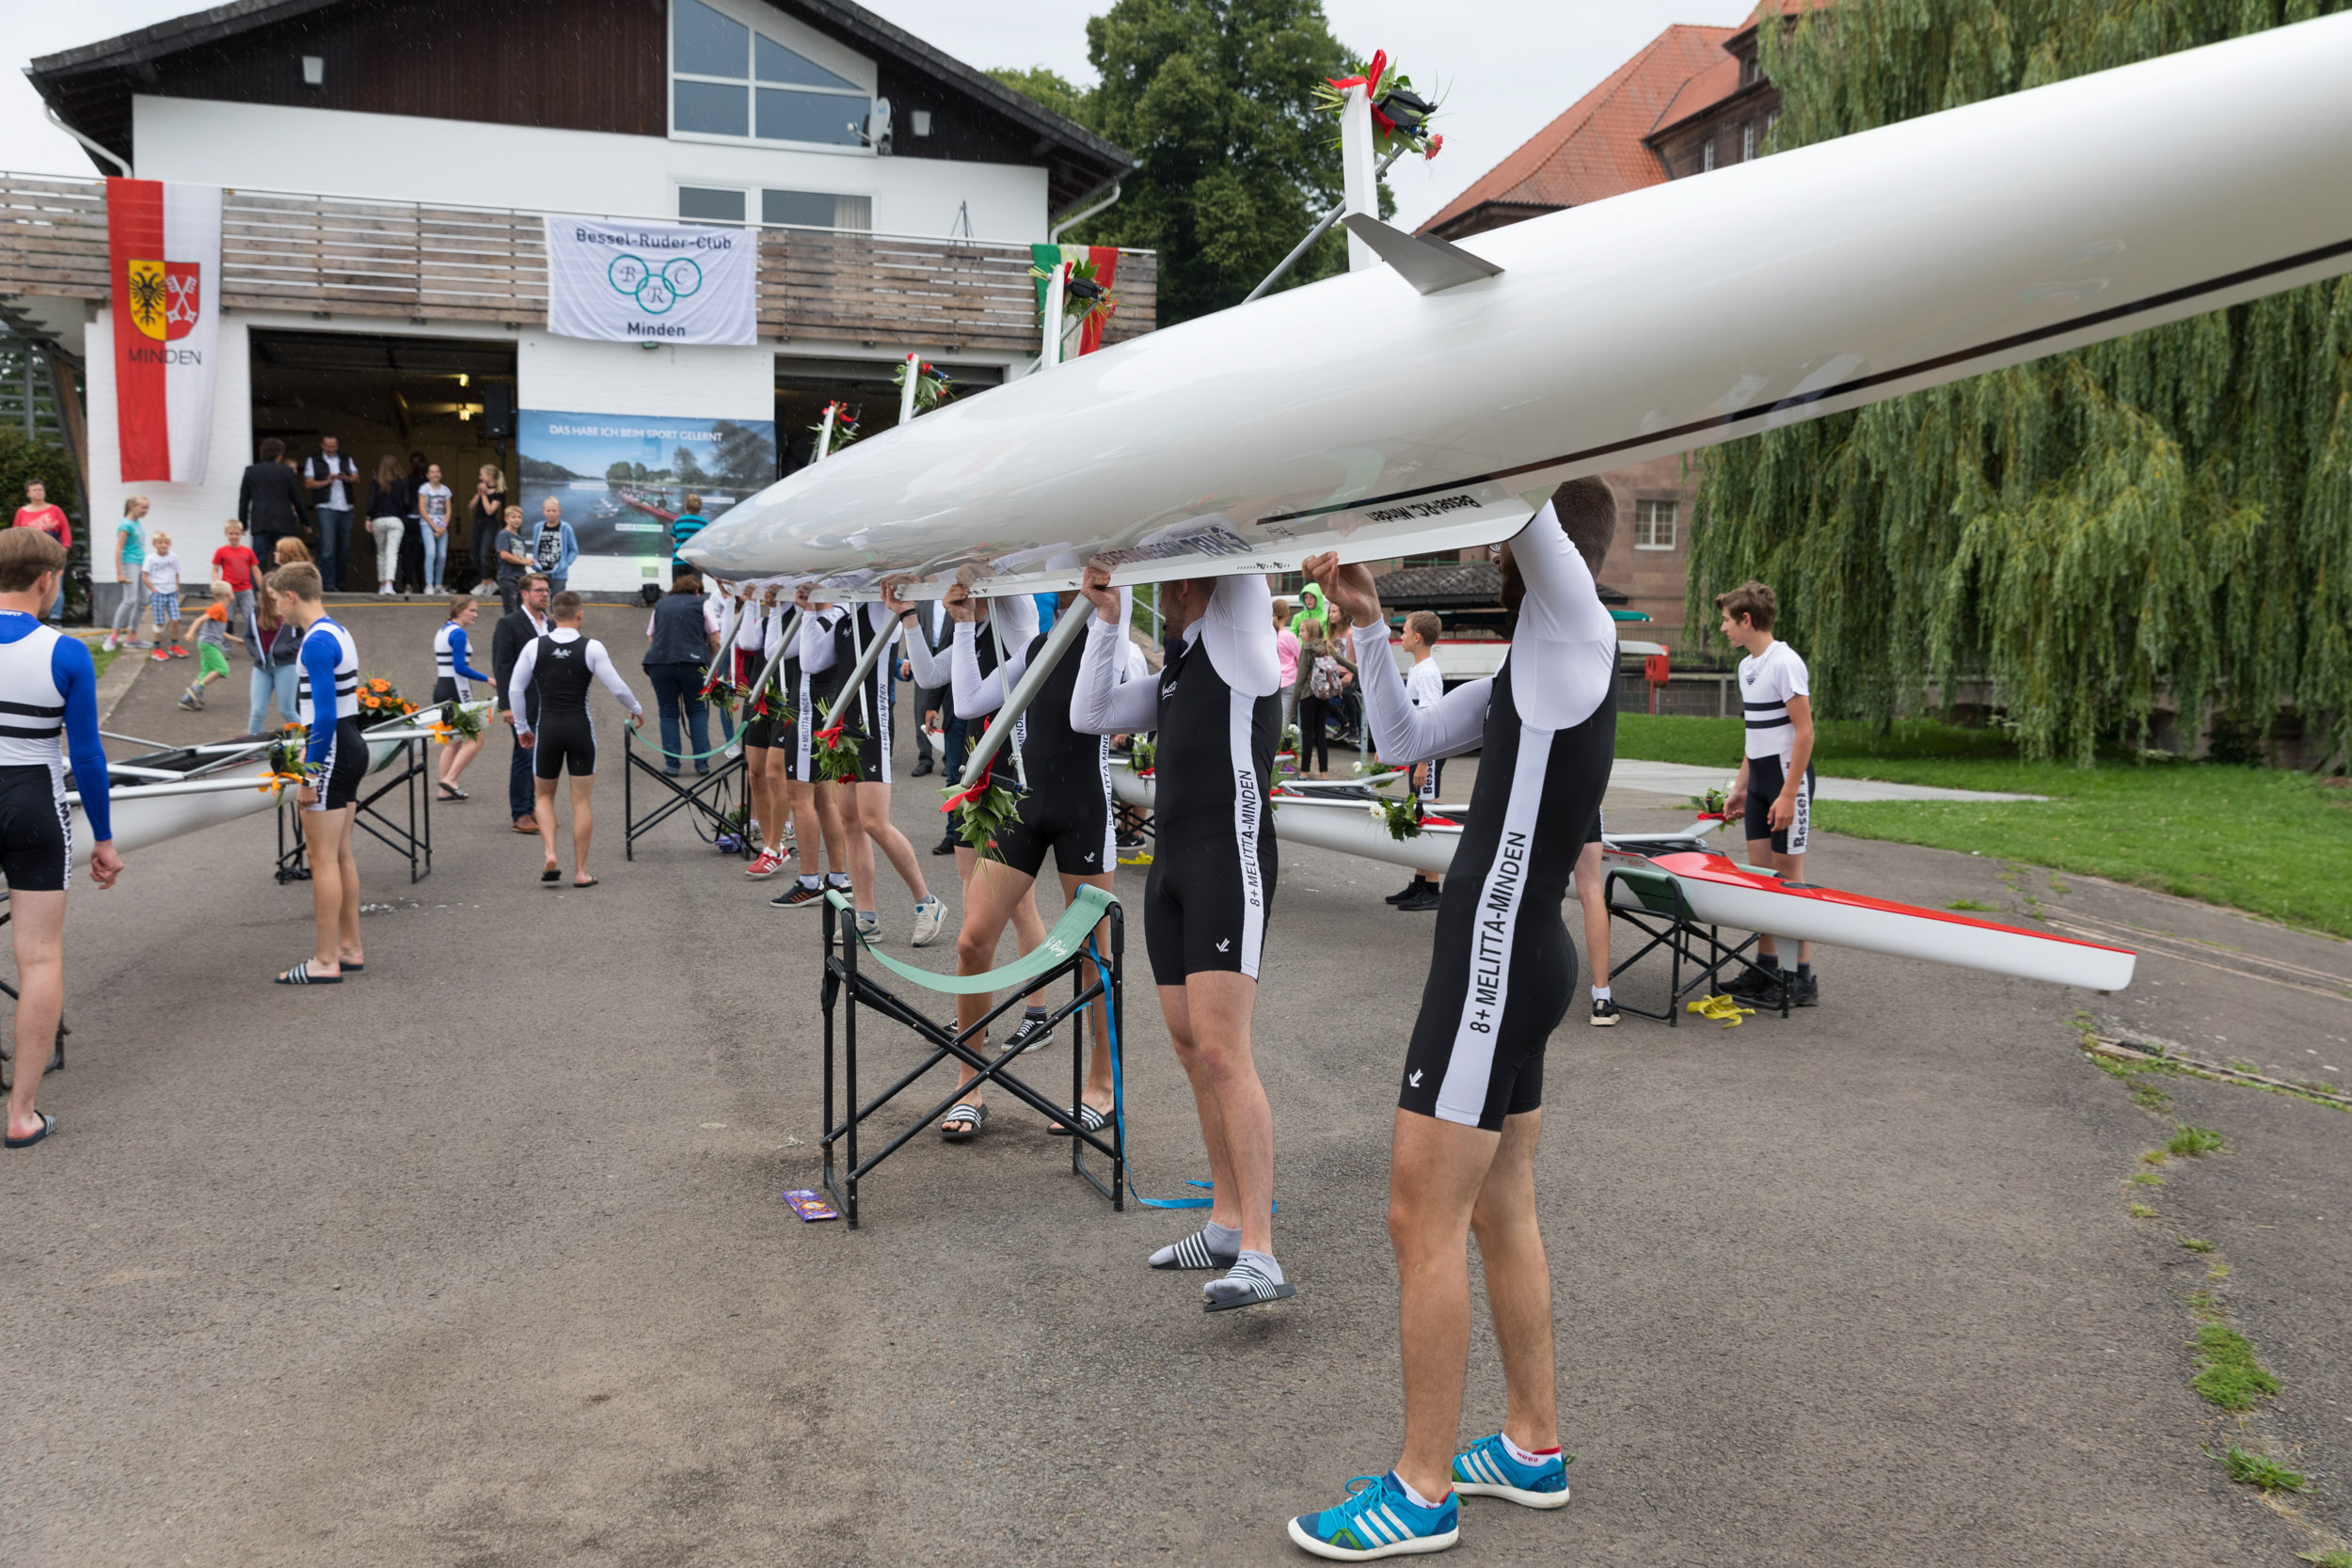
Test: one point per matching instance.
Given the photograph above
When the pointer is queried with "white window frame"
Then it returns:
(754, 206)
(804, 42)
(1707, 155)
(1747, 141)
(1646, 511)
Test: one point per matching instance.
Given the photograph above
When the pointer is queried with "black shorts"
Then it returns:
(873, 759)
(1072, 821)
(1432, 781)
(1766, 775)
(563, 742)
(445, 691)
(1459, 1032)
(338, 773)
(36, 829)
(1205, 906)
(761, 732)
(1595, 836)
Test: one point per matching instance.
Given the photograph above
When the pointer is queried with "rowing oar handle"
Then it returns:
(1067, 629)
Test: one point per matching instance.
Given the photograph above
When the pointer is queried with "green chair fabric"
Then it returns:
(1069, 934)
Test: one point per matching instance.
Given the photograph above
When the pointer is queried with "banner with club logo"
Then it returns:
(629, 282)
(163, 269)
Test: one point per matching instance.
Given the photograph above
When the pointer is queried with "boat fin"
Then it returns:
(1424, 261)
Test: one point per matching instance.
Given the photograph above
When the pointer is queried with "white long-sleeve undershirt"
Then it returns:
(1563, 656)
(1015, 620)
(599, 665)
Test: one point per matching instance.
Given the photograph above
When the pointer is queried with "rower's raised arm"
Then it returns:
(1405, 733)
(1563, 603)
(1102, 701)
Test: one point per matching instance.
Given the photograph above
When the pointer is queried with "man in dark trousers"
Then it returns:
(514, 633)
(269, 499)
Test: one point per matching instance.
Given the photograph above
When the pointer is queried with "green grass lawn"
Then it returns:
(102, 658)
(2273, 844)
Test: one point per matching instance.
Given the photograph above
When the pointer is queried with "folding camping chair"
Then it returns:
(1661, 912)
(1068, 948)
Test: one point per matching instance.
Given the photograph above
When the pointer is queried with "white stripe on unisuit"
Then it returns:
(1248, 809)
(1494, 928)
(1110, 812)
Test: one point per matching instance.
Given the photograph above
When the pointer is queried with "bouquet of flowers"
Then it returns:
(1139, 754)
(982, 808)
(835, 754)
(1401, 818)
(1083, 297)
(380, 703)
(844, 425)
(1711, 808)
(459, 721)
(931, 385)
(286, 752)
(1399, 115)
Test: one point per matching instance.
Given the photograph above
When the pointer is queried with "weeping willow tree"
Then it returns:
(2163, 519)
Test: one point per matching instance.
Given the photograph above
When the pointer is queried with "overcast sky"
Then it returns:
(1506, 66)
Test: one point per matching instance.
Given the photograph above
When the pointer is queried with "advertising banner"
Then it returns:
(163, 270)
(621, 480)
(632, 282)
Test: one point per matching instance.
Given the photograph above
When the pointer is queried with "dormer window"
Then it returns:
(727, 79)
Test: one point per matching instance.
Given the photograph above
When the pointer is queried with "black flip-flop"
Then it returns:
(300, 975)
(590, 882)
(1259, 1293)
(48, 1125)
(1089, 1118)
(350, 968)
(449, 794)
(974, 1116)
(551, 874)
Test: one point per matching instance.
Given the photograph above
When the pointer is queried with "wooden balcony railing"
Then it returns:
(412, 261)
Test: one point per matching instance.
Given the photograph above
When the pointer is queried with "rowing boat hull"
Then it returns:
(1721, 893)
(1356, 414)
(143, 815)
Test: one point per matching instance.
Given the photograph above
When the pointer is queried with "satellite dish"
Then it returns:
(876, 134)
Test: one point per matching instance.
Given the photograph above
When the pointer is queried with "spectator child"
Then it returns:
(235, 563)
(434, 505)
(162, 571)
(129, 555)
(212, 644)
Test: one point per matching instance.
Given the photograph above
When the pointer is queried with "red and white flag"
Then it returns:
(163, 263)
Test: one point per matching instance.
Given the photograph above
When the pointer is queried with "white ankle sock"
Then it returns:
(1600, 994)
(1418, 1501)
(1523, 1455)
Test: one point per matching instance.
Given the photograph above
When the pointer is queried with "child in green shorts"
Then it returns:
(212, 647)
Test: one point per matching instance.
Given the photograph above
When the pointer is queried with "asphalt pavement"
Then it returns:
(479, 1258)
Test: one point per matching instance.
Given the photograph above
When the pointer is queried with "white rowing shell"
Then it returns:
(147, 814)
(1359, 414)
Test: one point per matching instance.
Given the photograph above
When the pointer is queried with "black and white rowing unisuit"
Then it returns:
(1504, 968)
(1218, 716)
(48, 707)
(564, 665)
(1066, 808)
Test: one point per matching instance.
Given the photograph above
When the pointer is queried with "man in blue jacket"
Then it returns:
(553, 546)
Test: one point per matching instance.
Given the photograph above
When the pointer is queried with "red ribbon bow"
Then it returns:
(972, 795)
(1371, 85)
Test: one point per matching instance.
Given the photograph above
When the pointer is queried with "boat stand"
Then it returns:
(411, 840)
(1661, 912)
(704, 800)
(1068, 949)
(56, 1058)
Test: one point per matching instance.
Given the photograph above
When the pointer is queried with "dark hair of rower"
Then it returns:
(1587, 510)
(564, 608)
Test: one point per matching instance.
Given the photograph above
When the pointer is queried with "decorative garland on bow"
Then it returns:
(1711, 808)
(1139, 754)
(933, 386)
(1085, 300)
(981, 809)
(835, 753)
(1401, 818)
(844, 425)
(1399, 115)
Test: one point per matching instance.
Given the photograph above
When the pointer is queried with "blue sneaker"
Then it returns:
(1486, 1469)
(1379, 1520)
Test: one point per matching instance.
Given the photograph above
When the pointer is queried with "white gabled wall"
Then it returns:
(191, 513)
(465, 163)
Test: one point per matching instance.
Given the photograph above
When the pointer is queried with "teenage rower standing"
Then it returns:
(452, 682)
(561, 735)
(763, 739)
(334, 761)
(51, 689)
(1501, 979)
(1217, 711)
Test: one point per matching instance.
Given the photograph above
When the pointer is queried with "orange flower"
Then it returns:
(380, 684)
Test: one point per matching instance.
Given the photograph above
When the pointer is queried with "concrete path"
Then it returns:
(478, 1259)
(1687, 779)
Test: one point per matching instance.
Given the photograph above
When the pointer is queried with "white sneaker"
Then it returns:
(108, 645)
(929, 916)
(869, 926)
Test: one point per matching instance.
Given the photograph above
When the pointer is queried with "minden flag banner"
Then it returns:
(629, 282)
(1106, 261)
(163, 269)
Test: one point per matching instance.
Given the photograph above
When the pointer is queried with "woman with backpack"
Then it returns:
(1324, 674)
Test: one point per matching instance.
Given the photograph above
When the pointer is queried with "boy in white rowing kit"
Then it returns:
(50, 686)
(1776, 783)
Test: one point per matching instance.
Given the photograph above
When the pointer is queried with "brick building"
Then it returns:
(1690, 102)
